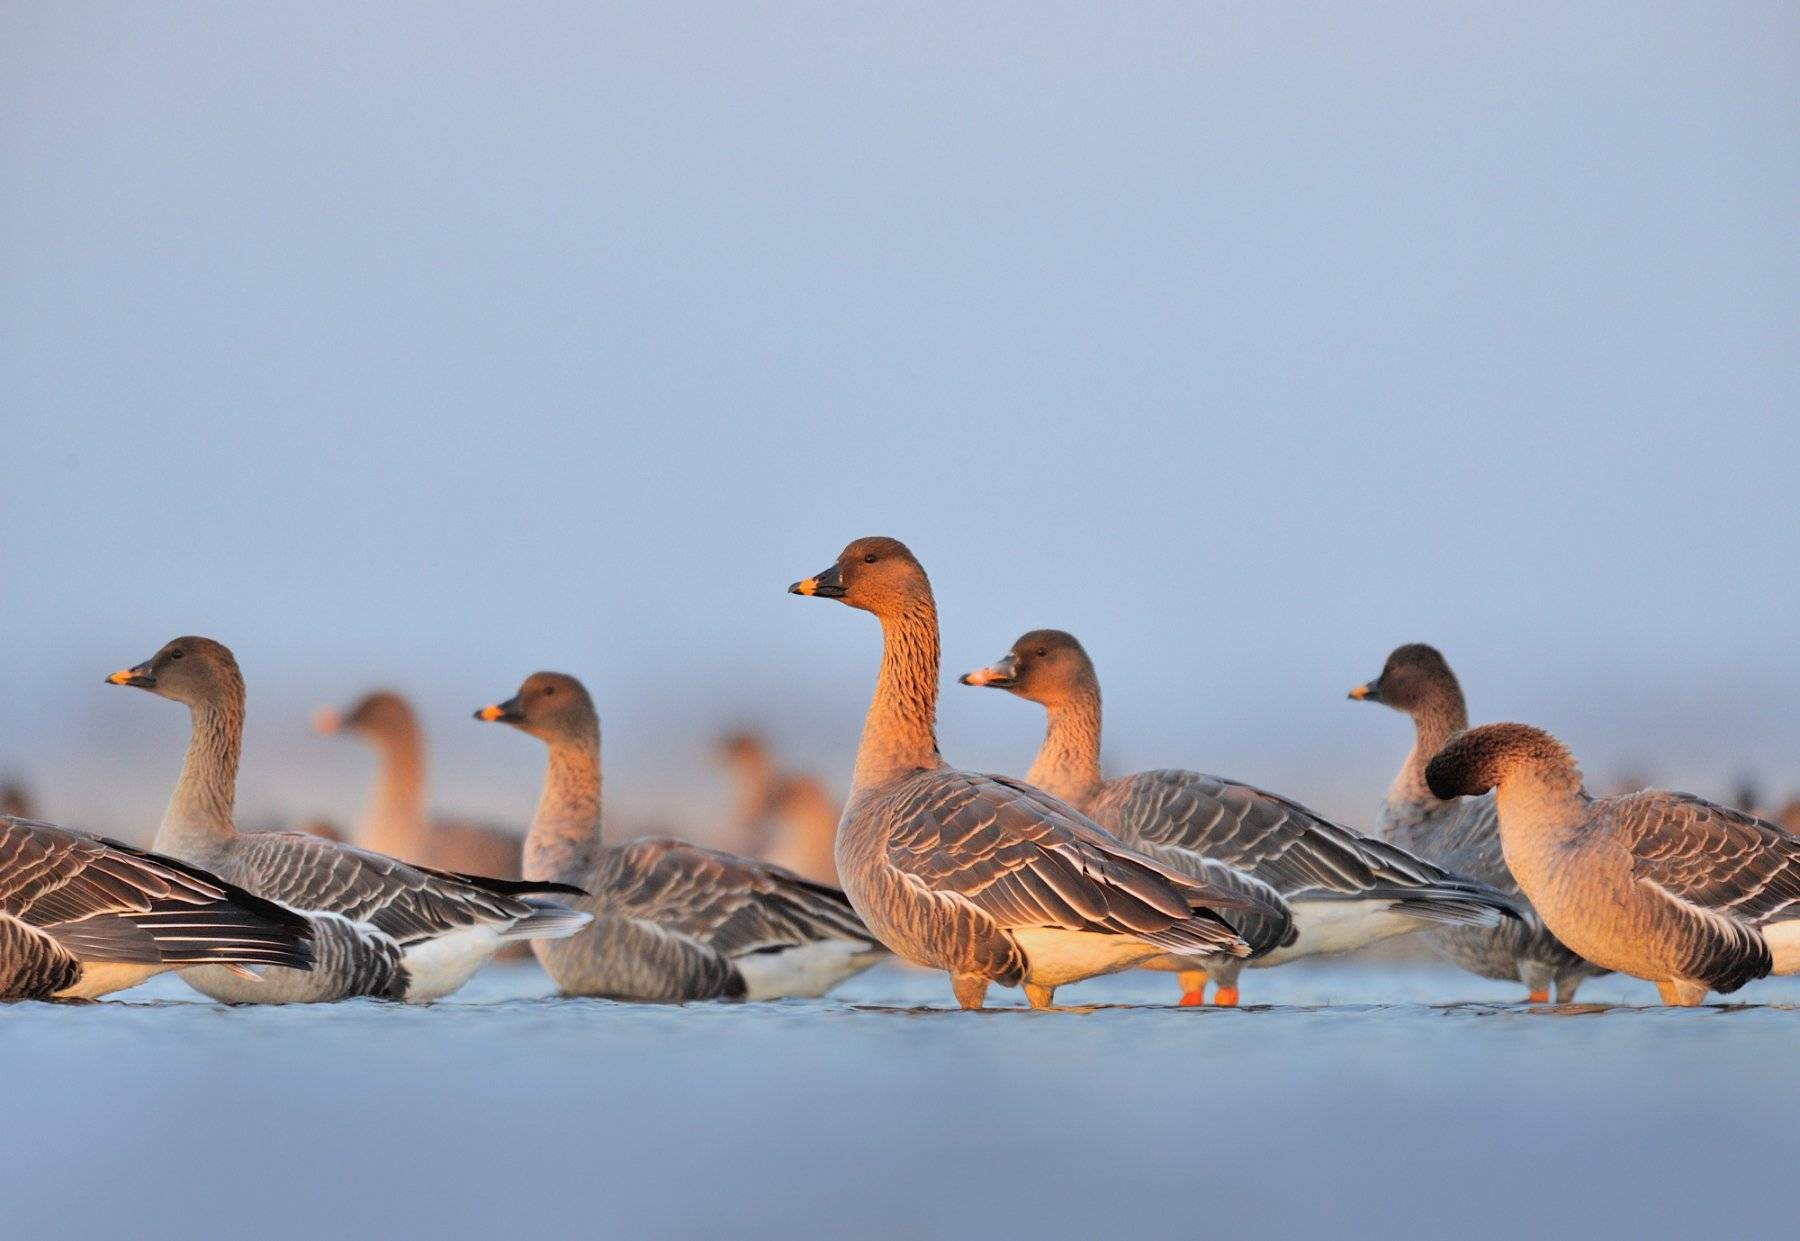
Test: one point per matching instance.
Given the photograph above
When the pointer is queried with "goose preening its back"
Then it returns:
(1344, 890)
(81, 916)
(672, 921)
(380, 927)
(987, 878)
(1663, 886)
(396, 821)
(1462, 834)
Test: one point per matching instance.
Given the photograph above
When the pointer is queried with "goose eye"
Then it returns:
(549, 691)
(869, 559)
(174, 654)
(1041, 652)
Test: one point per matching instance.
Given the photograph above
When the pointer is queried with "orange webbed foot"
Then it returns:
(1538, 997)
(1226, 997)
(1192, 999)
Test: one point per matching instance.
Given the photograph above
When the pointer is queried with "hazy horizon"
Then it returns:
(425, 348)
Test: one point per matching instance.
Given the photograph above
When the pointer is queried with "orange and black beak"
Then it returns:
(507, 712)
(828, 585)
(1370, 692)
(137, 676)
(1003, 675)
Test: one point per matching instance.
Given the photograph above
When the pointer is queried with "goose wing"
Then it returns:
(1715, 860)
(1019, 858)
(1464, 838)
(409, 904)
(732, 905)
(104, 901)
(1298, 852)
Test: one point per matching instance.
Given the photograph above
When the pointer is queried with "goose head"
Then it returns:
(1415, 677)
(380, 714)
(875, 574)
(551, 706)
(1046, 666)
(1478, 759)
(190, 670)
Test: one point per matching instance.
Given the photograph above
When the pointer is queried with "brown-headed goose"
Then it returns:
(1662, 886)
(1462, 834)
(81, 916)
(380, 927)
(396, 821)
(1345, 890)
(988, 879)
(672, 921)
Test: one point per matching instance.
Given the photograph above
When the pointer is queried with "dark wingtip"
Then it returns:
(518, 887)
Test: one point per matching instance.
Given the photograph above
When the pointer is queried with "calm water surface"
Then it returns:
(1349, 1100)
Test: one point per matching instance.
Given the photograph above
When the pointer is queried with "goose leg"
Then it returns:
(1040, 996)
(1680, 993)
(1536, 977)
(1566, 986)
(1193, 987)
(1225, 976)
(971, 989)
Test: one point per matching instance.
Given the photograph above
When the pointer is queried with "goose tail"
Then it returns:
(548, 920)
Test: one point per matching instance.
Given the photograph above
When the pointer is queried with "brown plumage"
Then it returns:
(987, 878)
(81, 916)
(1462, 834)
(1338, 889)
(1668, 887)
(672, 921)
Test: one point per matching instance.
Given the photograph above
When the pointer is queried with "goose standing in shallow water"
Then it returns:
(672, 921)
(1344, 889)
(987, 878)
(397, 822)
(1662, 886)
(380, 927)
(81, 917)
(1463, 834)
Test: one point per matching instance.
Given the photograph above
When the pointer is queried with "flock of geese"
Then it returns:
(1490, 847)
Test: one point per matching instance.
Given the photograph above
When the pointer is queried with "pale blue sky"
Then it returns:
(431, 345)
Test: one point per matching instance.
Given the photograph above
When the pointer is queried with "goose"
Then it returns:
(672, 921)
(82, 916)
(806, 816)
(1463, 835)
(380, 927)
(746, 759)
(396, 822)
(1667, 887)
(790, 820)
(16, 800)
(986, 878)
(1345, 890)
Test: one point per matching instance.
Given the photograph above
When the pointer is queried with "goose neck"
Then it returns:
(1433, 724)
(198, 818)
(1068, 762)
(563, 845)
(900, 732)
(394, 821)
